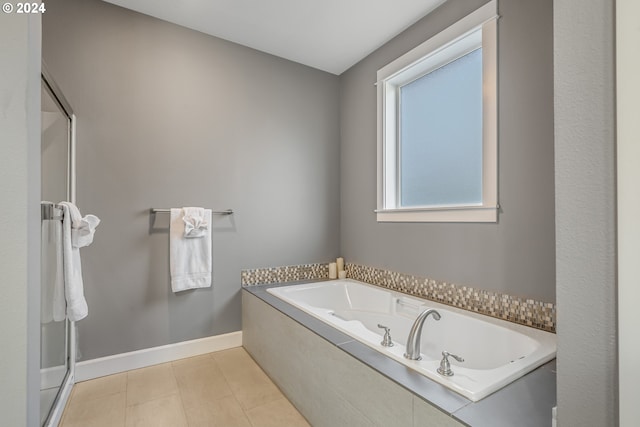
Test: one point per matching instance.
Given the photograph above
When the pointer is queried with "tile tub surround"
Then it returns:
(290, 273)
(279, 337)
(528, 312)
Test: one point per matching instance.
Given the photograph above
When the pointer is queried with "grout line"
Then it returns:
(124, 413)
(233, 392)
(247, 416)
(175, 379)
(126, 396)
(165, 394)
(184, 410)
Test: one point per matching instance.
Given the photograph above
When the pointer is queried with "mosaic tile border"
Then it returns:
(290, 273)
(529, 312)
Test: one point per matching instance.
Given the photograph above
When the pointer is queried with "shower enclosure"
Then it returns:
(57, 334)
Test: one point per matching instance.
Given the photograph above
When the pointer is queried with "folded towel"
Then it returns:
(189, 257)
(195, 223)
(74, 225)
(82, 228)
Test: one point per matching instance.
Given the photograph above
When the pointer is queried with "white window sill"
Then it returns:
(444, 214)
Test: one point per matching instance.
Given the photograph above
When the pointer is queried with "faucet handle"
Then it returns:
(386, 341)
(445, 366)
(447, 354)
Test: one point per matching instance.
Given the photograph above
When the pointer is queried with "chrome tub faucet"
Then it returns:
(413, 341)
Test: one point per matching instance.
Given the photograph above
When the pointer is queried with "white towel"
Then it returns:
(82, 228)
(77, 232)
(195, 223)
(52, 302)
(190, 256)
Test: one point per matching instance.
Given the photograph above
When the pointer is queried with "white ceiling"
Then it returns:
(330, 35)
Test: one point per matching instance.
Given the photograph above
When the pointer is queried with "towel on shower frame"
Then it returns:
(77, 232)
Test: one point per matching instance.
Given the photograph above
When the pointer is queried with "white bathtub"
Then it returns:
(496, 352)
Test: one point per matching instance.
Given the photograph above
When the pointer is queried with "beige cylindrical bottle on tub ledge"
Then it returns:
(340, 264)
(342, 274)
(333, 270)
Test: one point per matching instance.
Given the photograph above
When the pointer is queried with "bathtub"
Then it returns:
(495, 352)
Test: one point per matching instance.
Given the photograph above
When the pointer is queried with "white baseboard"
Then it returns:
(95, 368)
(52, 377)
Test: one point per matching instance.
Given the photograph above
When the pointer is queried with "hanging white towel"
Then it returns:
(52, 301)
(82, 228)
(77, 232)
(190, 248)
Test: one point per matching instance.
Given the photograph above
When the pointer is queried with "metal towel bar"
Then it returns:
(164, 210)
(50, 212)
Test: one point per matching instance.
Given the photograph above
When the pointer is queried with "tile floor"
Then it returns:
(221, 389)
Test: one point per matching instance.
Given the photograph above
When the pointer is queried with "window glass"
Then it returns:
(440, 162)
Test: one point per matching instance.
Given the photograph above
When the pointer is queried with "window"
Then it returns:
(437, 127)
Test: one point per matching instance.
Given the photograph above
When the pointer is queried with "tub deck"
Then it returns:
(495, 352)
(525, 402)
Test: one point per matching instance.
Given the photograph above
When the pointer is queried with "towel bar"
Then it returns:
(164, 210)
(50, 211)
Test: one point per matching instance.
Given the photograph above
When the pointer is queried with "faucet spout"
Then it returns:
(413, 341)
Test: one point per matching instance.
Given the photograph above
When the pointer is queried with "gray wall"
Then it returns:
(172, 117)
(20, 220)
(85, 54)
(585, 212)
(516, 255)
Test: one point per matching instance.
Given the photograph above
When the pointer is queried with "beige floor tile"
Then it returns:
(193, 361)
(251, 394)
(233, 361)
(276, 414)
(223, 389)
(225, 412)
(163, 412)
(107, 411)
(200, 380)
(100, 387)
(150, 383)
(250, 385)
(230, 351)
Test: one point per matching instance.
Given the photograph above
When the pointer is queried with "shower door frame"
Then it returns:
(55, 413)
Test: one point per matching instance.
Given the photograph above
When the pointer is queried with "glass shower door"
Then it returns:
(55, 187)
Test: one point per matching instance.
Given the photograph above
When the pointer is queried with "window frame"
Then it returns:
(478, 29)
